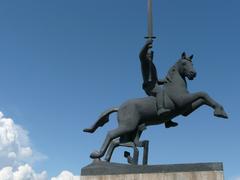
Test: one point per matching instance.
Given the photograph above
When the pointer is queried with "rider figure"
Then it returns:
(151, 82)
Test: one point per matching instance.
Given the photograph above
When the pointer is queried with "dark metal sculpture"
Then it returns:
(167, 99)
(143, 111)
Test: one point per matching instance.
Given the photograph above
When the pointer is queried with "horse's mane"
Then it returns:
(171, 72)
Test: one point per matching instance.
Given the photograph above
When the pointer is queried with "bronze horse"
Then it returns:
(143, 111)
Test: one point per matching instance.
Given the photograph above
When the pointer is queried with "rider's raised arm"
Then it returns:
(144, 51)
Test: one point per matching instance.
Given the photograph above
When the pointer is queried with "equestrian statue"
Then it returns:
(167, 99)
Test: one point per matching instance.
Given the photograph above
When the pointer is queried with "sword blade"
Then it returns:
(150, 21)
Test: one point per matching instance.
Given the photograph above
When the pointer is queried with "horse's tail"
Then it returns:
(103, 119)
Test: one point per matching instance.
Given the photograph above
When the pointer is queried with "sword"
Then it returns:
(150, 34)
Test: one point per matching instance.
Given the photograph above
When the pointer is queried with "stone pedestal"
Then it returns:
(114, 171)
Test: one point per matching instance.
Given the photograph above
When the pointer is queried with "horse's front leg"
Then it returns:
(195, 100)
(218, 109)
(192, 107)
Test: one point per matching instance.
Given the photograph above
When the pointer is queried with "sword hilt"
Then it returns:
(147, 37)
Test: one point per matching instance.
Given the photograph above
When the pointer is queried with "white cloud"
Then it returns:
(24, 172)
(6, 173)
(15, 146)
(16, 154)
(236, 178)
(66, 175)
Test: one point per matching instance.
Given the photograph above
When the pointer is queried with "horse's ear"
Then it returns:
(184, 55)
(191, 57)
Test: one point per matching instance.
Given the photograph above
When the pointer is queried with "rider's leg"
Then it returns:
(161, 110)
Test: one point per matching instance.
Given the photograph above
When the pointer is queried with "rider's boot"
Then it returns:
(170, 123)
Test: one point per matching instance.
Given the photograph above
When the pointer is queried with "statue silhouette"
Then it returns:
(143, 112)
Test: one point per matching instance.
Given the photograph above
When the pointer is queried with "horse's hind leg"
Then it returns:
(114, 143)
(110, 136)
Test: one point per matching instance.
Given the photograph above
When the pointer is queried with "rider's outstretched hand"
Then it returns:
(149, 43)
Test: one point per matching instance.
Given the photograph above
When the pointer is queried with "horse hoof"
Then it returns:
(88, 130)
(95, 155)
(219, 112)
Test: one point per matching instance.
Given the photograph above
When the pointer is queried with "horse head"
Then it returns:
(185, 66)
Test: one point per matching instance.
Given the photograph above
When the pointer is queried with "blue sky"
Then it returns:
(64, 62)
